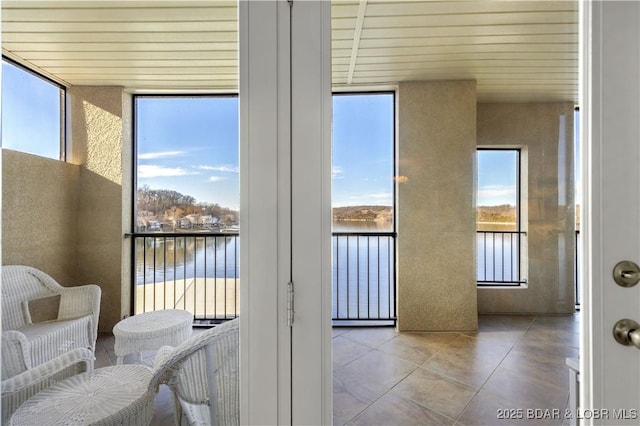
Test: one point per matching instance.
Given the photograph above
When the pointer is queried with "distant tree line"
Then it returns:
(504, 213)
(165, 204)
(362, 213)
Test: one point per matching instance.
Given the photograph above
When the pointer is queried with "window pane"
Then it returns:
(363, 142)
(31, 115)
(497, 190)
(498, 226)
(363, 242)
(187, 163)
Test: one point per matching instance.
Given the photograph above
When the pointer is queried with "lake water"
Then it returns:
(161, 258)
(168, 258)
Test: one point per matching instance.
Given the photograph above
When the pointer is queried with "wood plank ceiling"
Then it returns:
(516, 50)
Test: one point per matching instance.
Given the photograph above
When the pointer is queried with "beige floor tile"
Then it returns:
(346, 351)
(551, 369)
(427, 339)
(377, 367)
(565, 322)
(501, 322)
(539, 342)
(337, 331)
(352, 396)
(553, 335)
(478, 346)
(525, 391)
(372, 337)
(395, 410)
(435, 392)
(487, 409)
(413, 351)
(499, 337)
(468, 368)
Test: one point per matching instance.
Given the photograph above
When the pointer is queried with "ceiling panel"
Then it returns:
(515, 50)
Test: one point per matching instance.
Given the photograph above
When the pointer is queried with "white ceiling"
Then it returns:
(516, 50)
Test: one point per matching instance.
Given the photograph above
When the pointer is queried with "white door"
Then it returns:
(610, 391)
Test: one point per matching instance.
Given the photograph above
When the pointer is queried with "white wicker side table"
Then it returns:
(109, 396)
(151, 331)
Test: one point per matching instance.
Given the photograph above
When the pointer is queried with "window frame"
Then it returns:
(62, 149)
(134, 144)
(134, 181)
(519, 282)
(367, 319)
(394, 153)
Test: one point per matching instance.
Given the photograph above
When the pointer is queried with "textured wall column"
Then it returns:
(436, 206)
(101, 145)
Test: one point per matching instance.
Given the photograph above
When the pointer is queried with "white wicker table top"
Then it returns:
(105, 396)
(152, 330)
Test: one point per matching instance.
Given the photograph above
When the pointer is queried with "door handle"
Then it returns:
(627, 333)
(626, 273)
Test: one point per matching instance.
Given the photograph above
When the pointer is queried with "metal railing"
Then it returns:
(197, 272)
(498, 257)
(363, 278)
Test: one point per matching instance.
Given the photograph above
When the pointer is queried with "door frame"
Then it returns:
(285, 214)
(610, 125)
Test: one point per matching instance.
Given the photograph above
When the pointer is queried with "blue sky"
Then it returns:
(363, 150)
(190, 145)
(30, 113)
(496, 177)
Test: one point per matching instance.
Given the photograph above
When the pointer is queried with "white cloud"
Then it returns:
(496, 194)
(225, 168)
(154, 155)
(337, 172)
(216, 178)
(380, 198)
(151, 171)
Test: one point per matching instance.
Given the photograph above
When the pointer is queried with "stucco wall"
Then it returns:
(69, 219)
(545, 132)
(436, 210)
(40, 215)
(99, 137)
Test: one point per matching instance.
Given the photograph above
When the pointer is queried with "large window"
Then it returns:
(499, 233)
(32, 112)
(363, 208)
(363, 162)
(186, 231)
(187, 162)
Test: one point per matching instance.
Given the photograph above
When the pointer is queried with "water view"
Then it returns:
(162, 258)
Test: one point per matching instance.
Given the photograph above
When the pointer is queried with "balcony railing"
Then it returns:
(197, 272)
(498, 257)
(364, 277)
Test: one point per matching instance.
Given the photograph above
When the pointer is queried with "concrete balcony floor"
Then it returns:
(381, 377)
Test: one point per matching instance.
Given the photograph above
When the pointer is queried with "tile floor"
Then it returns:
(381, 377)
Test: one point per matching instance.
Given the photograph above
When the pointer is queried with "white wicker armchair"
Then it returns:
(20, 383)
(74, 322)
(201, 370)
